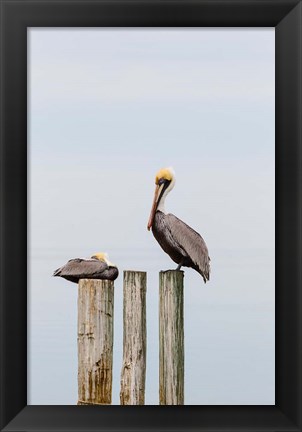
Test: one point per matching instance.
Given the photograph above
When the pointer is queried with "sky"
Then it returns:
(107, 109)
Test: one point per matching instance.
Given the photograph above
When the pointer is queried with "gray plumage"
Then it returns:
(90, 268)
(184, 245)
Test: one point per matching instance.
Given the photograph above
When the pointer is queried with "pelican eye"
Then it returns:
(163, 181)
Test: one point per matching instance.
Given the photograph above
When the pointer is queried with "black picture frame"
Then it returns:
(16, 17)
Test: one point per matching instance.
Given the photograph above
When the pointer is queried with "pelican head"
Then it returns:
(164, 183)
(103, 256)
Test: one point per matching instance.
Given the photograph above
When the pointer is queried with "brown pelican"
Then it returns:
(96, 267)
(184, 245)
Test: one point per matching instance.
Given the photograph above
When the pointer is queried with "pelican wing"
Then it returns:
(192, 242)
(82, 268)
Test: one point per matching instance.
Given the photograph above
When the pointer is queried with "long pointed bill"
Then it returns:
(154, 205)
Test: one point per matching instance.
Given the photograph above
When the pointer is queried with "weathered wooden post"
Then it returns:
(171, 338)
(95, 341)
(133, 374)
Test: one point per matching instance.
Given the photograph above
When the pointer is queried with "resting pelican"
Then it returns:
(184, 245)
(96, 267)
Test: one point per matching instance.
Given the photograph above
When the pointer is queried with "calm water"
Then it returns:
(229, 328)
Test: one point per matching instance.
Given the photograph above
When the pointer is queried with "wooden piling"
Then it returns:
(95, 341)
(171, 338)
(133, 374)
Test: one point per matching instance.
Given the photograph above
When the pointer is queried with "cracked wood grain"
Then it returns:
(95, 341)
(133, 374)
(171, 338)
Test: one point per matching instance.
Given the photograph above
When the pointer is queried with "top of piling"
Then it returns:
(172, 271)
(135, 271)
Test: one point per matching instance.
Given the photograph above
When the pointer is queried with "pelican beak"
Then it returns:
(158, 189)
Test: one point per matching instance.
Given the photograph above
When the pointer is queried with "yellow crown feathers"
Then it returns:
(102, 256)
(165, 173)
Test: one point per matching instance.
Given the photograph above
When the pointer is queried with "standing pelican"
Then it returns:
(184, 245)
(96, 267)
